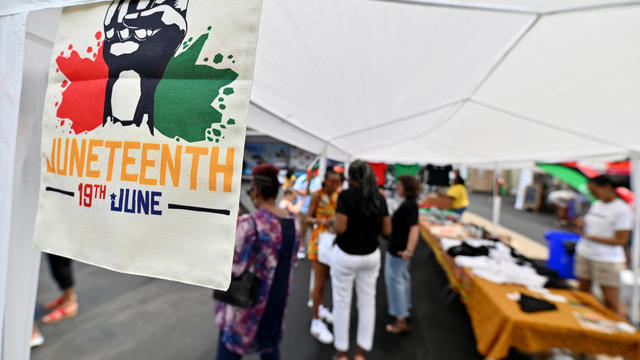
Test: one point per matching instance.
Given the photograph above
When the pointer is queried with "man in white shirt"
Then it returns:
(600, 252)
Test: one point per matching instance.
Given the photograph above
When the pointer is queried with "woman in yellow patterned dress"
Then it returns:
(322, 213)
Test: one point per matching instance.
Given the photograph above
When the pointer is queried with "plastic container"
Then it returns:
(559, 259)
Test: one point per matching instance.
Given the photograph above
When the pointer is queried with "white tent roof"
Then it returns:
(479, 82)
(476, 82)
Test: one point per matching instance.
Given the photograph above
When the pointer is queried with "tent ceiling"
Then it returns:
(524, 6)
(465, 81)
(430, 82)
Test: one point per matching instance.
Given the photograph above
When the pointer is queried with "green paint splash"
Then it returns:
(183, 97)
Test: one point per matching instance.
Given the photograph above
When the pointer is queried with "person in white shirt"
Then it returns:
(605, 230)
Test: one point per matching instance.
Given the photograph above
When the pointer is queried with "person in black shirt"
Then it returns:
(402, 243)
(361, 216)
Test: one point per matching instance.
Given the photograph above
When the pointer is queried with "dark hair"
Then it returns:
(290, 173)
(362, 177)
(265, 180)
(329, 172)
(459, 180)
(602, 180)
(288, 192)
(411, 186)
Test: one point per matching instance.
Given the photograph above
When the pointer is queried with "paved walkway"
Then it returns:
(130, 317)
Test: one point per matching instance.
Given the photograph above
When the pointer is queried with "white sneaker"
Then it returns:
(325, 314)
(310, 303)
(320, 331)
(37, 341)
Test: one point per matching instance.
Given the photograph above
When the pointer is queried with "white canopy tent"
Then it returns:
(417, 82)
(484, 83)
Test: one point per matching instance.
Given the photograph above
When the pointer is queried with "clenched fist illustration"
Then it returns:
(141, 37)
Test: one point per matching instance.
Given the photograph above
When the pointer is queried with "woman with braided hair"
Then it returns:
(361, 216)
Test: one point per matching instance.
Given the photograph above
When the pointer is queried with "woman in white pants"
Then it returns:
(361, 216)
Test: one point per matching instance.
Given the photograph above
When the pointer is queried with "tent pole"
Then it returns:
(497, 201)
(347, 164)
(635, 257)
(322, 167)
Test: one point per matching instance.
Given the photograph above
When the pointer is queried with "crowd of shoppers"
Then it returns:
(268, 240)
(357, 215)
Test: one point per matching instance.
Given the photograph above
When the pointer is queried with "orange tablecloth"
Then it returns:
(499, 324)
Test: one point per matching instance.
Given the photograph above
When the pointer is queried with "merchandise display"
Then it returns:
(516, 302)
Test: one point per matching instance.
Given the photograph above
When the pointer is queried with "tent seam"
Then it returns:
(595, 7)
(552, 126)
(503, 57)
(397, 120)
(297, 126)
(504, 10)
(486, 77)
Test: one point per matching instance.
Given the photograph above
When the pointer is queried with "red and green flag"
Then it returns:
(312, 172)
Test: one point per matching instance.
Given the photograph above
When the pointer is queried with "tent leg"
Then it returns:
(635, 257)
(497, 201)
(347, 164)
(526, 179)
(322, 167)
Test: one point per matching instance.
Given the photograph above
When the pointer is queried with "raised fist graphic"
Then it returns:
(141, 37)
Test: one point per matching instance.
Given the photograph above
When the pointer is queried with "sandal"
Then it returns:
(54, 303)
(61, 313)
(398, 329)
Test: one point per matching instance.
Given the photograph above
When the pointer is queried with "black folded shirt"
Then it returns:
(530, 304)
(467, 250)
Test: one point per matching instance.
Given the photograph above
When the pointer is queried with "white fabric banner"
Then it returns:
(143, 136)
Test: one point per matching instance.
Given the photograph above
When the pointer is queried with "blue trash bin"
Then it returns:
(559, 259)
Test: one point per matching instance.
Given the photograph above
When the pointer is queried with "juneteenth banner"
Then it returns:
(143, 135)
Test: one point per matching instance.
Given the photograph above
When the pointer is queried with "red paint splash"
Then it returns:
(83, 94)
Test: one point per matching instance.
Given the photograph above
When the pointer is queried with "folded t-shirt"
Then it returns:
(530, 304)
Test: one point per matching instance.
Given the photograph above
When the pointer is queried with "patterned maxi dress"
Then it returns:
(245, 331)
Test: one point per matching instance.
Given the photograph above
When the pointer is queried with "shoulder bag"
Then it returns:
(243, 290)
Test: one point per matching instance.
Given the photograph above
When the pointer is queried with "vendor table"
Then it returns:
(499, 324)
